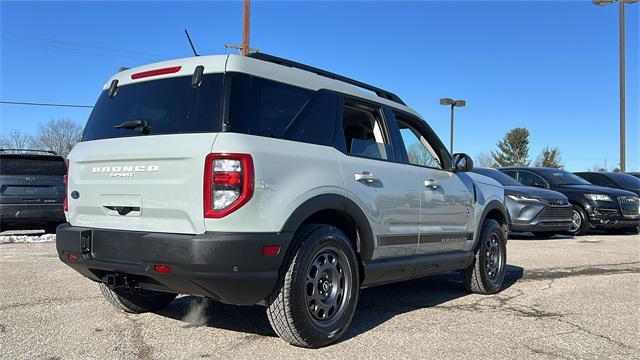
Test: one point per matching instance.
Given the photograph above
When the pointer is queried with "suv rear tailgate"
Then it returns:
(141, 183)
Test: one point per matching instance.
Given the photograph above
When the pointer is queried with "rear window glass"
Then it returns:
(168, 106)
(36, 165)
(268, 108)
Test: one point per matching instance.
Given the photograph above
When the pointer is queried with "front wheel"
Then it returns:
(317, 292)
(579, 222)
(486, 273)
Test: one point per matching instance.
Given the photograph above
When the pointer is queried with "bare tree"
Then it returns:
(58, 135)
(484, 159)
(16, 140)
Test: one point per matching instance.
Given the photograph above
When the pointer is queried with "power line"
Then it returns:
(44, 104)
(66, 46)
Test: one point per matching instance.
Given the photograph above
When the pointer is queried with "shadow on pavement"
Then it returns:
(530, 236)
(376, 305)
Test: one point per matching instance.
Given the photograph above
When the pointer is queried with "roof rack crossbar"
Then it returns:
(280, 61)
(29, 150)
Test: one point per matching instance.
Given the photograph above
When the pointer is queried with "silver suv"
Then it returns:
(258, 180)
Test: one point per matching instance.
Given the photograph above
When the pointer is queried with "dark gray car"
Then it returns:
(540, 211)
(31, 190)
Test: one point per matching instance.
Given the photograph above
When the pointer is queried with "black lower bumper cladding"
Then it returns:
(228, 267)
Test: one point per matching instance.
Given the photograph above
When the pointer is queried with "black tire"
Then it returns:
(583, 226)
(297, 309)
(136, 302)
(486, 274)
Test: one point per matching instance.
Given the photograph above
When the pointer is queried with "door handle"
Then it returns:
(365, 177)
(431, 184)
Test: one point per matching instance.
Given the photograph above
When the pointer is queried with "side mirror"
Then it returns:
(462, 162)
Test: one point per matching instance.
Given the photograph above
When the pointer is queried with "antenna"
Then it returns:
(191, 43)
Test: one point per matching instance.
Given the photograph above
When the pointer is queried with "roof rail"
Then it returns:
(22, 151)
(280, 61)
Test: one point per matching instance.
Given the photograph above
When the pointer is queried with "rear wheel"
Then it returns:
(486, 274)
(136, 302)
(579, 222)
(316, 295)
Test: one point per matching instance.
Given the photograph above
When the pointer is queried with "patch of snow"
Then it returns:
(25, 236)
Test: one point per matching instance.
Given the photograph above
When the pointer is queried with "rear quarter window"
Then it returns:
(268, 108)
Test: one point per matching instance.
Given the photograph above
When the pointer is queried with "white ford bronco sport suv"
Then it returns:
(258, 180)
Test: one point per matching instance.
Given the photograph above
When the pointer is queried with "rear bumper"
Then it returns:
(228, 267)
(20, 215)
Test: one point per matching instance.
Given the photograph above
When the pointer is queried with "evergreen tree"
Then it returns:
(513, 149)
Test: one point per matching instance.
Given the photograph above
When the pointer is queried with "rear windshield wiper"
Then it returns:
(139, 125)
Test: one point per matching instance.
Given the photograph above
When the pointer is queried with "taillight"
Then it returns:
(65, 204)
(228, 183)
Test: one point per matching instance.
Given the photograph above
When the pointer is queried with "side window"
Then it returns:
(268, 108)
(600, 180)
(531, 179)
(364, 131)
(419, 151)
(511, 173)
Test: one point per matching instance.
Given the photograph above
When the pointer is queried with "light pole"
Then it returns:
(453, 104)
(622, 76)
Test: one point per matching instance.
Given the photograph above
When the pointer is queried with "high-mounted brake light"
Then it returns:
(65, 204)
(156, 72)
(228, 183)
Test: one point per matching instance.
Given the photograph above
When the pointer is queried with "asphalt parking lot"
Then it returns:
(566, 298)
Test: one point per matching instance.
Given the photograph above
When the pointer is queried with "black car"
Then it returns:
(540, 211)
(32, 190)
(613, 180)
(593, 206)
(636, 174)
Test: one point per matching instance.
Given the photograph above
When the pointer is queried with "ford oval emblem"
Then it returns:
(75, 194)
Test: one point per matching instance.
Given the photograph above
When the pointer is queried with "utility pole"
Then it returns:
(246, 28)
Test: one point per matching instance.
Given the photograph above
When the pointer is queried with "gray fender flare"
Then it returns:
(346, 206)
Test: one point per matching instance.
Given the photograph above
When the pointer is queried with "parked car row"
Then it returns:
(32, 190)
(546, 201)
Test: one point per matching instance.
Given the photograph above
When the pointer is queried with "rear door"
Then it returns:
(147, 177)
(384, 188)
(29, 179)
(447, 201)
